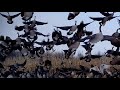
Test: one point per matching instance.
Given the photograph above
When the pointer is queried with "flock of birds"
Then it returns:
(25, 43)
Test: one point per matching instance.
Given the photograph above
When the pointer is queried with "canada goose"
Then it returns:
(33, 23)
(114, 41)
(49, 44)
(104, 68)
(116, 34)
(10, 17)
(26, 15)
(106, 13)
(74, 42)
(95, 37)
(74, 27)
(70, 28)
(39, 51)
(115, 61)
(24, 51)
(103, 20)
(20, 28)
(72, 15)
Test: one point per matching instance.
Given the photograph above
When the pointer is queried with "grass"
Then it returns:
(56, 60)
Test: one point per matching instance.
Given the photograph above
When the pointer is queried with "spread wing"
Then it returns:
(20, 28)
(105, 14)
(16, 15)
(97, 18)
(64, 27)
(41, 23)
(44, 43)
(3, 15)
(107, 37)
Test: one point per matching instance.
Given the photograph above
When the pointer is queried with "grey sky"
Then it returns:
(60, 19)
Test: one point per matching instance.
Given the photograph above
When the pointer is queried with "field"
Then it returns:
(56, 59)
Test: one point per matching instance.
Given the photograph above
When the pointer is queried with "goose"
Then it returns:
(103, 20)
(116, 34)
(33, 35)
(24, 27)
(70, 28)
(92, 40)
(95, 37)
(95, 71)
(33, 23)
(40, 51)
(73, 27)
(72, 15)
(74, 42)
(114, 41)
(105, 68)
(10, 17)
(106, 13)
(49, 44)
(115, 61)
(26, 15)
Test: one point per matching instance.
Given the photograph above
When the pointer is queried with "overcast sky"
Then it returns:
(60, 19)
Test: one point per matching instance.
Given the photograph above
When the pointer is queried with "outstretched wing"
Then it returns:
(41, 23)
(16, 15)
(3, 15)
(64, 27)
(97, 18)
(44, 43)
(105, 14)
(107, 37)
(20, 28)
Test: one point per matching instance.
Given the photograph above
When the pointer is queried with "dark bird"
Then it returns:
(115, 61)
(74, 27)
(26, 15)
(103, 20)
(33, 23)
(72, 15)
(10, 17)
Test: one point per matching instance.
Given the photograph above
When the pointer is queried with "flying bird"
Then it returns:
(10, 17)
(26, 15)
(72, 15)
(103, 20)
